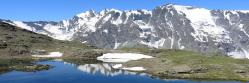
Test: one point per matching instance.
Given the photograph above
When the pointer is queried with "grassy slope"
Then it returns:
(191, 65)
(22, 42)
(16, 45)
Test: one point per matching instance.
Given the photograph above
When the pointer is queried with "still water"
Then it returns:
(64, 72)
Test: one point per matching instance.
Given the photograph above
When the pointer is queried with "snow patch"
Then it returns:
(85, 14)
(119, 66)
(243, 30)
(179, 44)
(51, 55)
(23, 25)
(106, 31)
(116, 45)
(53, 29)
(87, 21)
(195, 14)
(237, 55)
(121, 57)
(116, 66)
(134, 68)
(172, 42)
(147, 12)
(119, 19)
(84, 42)
(144, 25)
(115, 10)
(182, 47)
(66, 23)
(59, 32)
(38, 24)
(243, 11)
(135, 12)
(203, 23)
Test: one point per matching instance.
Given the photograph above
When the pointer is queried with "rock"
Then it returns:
(240, 71)
(183, 69)
(199, 69)
(3, 44)
(39, 52)
(37, 67)
(4, 69)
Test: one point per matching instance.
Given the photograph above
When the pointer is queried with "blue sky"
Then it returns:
(55, 10)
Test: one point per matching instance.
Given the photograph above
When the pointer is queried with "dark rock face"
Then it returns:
(3, 44)
(169, 26)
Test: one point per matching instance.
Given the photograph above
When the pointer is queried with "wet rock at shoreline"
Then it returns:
(31, 68)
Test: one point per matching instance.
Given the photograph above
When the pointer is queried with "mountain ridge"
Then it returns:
(168, 26)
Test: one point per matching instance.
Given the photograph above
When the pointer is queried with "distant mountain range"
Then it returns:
(168, 26)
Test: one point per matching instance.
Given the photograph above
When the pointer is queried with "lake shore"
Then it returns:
(175, 64)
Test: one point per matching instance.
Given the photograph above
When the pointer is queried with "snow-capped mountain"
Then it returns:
(168, 26)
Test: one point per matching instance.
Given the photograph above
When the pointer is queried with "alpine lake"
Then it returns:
(80, 71)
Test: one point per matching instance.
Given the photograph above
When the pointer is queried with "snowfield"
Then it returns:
(51, 55)
(121, 57)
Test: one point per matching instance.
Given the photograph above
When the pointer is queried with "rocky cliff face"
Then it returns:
(168, 26)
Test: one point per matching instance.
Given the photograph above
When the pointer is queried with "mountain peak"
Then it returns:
(175, 6)
(89, 13)
(169, 26)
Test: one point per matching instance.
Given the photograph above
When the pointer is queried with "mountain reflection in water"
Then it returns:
(105, 69)
(82, 71)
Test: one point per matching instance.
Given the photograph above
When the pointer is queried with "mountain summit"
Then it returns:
(168, 26)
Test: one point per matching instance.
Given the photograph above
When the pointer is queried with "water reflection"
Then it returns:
(84, 72)
(104, 69)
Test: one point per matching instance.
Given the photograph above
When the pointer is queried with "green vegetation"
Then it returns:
(17, 45)
(15, 41)
(190, 65)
